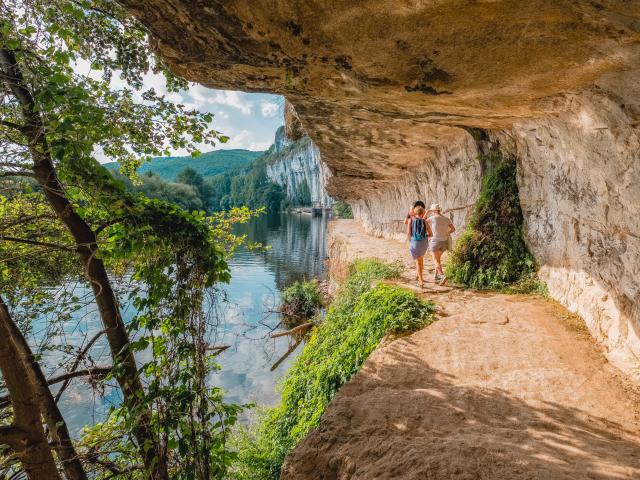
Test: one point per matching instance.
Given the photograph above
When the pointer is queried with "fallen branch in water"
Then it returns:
(287, 353)
(298, 329)
(218, 349)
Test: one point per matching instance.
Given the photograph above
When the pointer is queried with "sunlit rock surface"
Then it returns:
(297, 166)
(385, 89)
(579, 182)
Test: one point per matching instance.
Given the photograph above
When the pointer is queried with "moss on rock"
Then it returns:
(491, 253)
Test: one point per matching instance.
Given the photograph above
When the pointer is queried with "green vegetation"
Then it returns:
(358, 319)
(151, 185)
(219, 180)
(74, 239)
(300, 301)
(249, 187)
(491, 253)
(342, 209)
(206, 164)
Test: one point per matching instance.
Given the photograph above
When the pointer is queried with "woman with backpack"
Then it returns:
(418, 240)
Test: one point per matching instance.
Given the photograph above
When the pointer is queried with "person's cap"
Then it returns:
(435, 206)
(419, 203)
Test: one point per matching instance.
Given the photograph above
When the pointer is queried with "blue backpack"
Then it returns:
(418, 229)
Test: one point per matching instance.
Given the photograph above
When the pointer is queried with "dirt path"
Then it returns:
(500, 387)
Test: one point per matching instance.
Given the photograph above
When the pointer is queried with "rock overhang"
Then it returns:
(380, 84)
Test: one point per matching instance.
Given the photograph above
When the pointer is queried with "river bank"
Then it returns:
(500, 387)
(296, 250)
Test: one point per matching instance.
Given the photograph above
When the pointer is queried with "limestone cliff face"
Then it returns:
(298, 168)
(579, 182)
(387, 90)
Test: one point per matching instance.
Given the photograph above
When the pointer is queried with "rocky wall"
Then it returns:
(579, 183)
(296, 163)
(449, 176)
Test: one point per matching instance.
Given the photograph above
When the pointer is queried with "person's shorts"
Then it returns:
(418, 248)
(441, 245)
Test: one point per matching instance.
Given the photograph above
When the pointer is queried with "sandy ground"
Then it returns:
(500, 387)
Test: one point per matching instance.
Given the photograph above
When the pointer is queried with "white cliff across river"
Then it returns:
(296, 165)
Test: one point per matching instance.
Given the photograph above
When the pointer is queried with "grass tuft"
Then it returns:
(300, 302)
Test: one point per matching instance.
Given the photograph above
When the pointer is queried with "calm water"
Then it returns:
(297, 251)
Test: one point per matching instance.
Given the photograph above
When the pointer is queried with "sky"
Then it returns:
(248, 119)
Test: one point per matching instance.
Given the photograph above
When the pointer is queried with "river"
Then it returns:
(296, 250)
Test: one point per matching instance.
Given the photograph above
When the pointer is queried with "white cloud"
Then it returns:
(247, 119)
(232, 99)
(244, 139)
(259, 146)
(174, 97)
(202, 95)
(199, 95)
(269, 109)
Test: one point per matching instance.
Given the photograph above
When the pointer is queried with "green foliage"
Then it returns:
(359, 318)
(152, 186)
(207, 164)
(161, 259)
(528, 284)
(491, 253)
(248, 186)
(300, 301)
(342, 209)
(304, 194)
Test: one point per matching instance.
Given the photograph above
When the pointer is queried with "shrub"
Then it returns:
(491, 252)
(300, 301)
(342, 209)
(361, 315)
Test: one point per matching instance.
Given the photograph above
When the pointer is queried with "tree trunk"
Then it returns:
(26, 435)
(126, 370)
(55, 421)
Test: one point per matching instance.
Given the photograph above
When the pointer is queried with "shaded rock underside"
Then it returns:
(389, 90)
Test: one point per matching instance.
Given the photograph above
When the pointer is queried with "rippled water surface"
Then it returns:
(297, 250)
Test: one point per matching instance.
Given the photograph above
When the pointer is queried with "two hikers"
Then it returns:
(428, 230)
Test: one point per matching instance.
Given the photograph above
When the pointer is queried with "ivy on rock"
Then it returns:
(491, 253)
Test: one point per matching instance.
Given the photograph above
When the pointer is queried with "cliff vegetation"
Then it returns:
(491, 253)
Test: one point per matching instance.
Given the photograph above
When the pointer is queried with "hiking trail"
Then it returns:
(500, 387)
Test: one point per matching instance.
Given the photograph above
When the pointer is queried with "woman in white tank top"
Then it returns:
(439, 228)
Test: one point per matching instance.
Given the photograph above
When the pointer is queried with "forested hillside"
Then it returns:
(207, 164)
(245, 184)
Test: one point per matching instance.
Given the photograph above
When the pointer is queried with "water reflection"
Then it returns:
(298, 246)
(297, 251)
